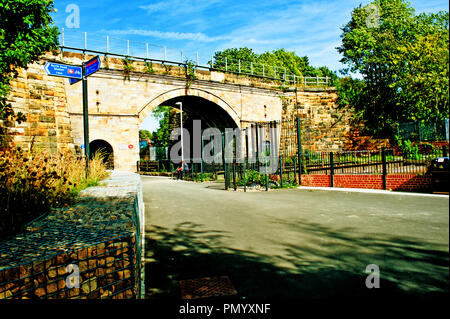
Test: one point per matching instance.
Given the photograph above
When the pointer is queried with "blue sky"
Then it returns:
(310, 28)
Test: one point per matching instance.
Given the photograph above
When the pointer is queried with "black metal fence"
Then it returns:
(425, 131)
(291, 161)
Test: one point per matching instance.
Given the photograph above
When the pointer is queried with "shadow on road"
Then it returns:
(335, 268)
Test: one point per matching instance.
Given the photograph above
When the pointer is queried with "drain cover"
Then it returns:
(207, 287)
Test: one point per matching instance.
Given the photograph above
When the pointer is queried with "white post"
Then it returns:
(181, 125)
(226, 64)
(146, 50)
(165, 54)
(197, 58)
(239, 65)
(128, 47)
(62, 36)
(85, 40)
(107, 43)
(251, 64)
(181, 55)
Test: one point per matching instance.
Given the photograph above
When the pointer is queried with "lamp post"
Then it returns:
(181, 125)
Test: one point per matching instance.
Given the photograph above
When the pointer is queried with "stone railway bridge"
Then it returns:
(121, 97)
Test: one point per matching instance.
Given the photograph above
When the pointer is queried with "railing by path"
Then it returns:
(102, 44)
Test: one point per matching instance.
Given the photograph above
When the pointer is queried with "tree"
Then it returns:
(403, 61)
(281, 59)
(161, 137)
(26, 32)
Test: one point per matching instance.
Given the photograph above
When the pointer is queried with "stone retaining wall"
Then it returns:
(90, 250)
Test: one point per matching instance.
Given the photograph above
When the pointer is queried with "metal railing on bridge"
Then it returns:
(103, 44)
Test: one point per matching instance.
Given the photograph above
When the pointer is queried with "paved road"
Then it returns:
(294, 243)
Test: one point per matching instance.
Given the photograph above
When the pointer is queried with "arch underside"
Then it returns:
(198, 104)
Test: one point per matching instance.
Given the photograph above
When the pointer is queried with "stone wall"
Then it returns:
(324, 126)
(42, 99)
(121, 98)
(92, 250)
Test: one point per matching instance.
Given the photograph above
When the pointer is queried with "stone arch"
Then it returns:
(180, 92)
(105, 147)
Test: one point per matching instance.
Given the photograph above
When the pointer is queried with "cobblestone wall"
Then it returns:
(90, 250)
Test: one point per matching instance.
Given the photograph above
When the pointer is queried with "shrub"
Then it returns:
(33, 183)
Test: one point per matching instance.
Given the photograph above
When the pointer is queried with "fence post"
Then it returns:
(201, 162)
(234, 173)
(267, 178)
(226, 64)
(299, 152)
(257, 145)
(281, 171)
(331, 169)
(383, 159)
(295, 173)
(223, 160)
(239, 61)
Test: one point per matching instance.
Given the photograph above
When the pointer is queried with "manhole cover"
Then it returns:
(207, 287)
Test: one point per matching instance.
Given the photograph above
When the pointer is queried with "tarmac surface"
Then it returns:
(295, 243)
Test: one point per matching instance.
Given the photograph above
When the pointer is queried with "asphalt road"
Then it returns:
(294, 243)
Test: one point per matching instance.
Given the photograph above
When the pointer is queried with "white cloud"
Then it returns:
(199, 37)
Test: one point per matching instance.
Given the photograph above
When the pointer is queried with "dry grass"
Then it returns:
(32, 183)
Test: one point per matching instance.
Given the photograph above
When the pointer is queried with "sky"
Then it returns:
(202, 27)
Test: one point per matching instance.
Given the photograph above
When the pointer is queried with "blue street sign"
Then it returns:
(92, 66)
(143, 144)
(63, 70)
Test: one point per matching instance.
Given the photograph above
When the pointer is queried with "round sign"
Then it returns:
(130, 146)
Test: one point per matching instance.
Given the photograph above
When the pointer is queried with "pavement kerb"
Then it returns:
(370, 191)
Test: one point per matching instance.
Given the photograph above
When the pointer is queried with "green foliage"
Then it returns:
(253, 177)
(281, 59)
(408, 148)
(32, 183)
(189, 69)
(26, 32)
(149, 67)
(145, 135)
(161, 136)
(128, 65)
(403, 61)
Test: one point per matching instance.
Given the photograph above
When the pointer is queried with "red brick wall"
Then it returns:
(396, 182)
(316, 180)
(408, 182)
(359, 181)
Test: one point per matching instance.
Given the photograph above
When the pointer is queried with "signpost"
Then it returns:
(63, 70)
(75, 74)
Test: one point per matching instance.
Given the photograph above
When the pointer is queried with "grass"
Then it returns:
(32, 183)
